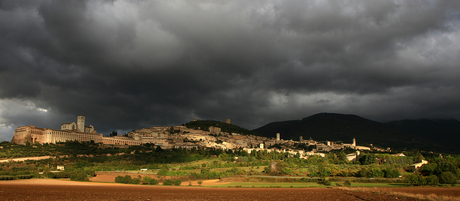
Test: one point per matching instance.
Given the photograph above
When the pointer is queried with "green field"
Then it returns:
(299, 185)
(257, 169)
(269, 185)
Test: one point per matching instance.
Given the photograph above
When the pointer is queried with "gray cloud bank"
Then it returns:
(133, 64)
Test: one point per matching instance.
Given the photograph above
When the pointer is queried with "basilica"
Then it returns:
(69, 132)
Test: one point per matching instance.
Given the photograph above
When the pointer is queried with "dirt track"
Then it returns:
(35, 189)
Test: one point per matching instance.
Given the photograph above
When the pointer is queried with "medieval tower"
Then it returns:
(81, 123)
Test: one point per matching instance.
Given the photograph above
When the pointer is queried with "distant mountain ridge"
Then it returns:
(442, 132)
(410, 134)
(225, 127)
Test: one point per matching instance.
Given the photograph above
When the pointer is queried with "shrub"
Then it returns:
(325, 182)
(200, 182)
(447, 167)
(78, 175)
(343, 173)
(347, 183)
(177, 182)
(119, 179)
(135, 181)
(3, 177)
(432, 180)
(50, 175)
(154, 182)
(23, 176)
(126, 179)
(391, 173)
(323, 171)
(73, 177)
(448, 178)
(371, 172)
(415, 179)
(81, 176)
(168, 182)
(146, 180)
(163, 172)
(91, 173)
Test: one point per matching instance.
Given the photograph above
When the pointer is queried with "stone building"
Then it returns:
(213, 129)
(79, 132)
(69, 132)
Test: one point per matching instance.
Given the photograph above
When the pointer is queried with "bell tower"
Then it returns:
(81, 123)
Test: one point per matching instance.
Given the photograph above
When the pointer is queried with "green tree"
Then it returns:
(119, 179)
(415, 179)
(135, 181)
(371, 172)
(418, 158)
(448, 178)
(168, 182)
(146, 180)
(81, 176)
(323, 170)
(50, 175)
(154, 182)
(428, 169)
(432, 180)
(391, 173)
(126, 179)
(444, 166)
(367, 159)
(342, 157)
(163, 172)
(73, 177)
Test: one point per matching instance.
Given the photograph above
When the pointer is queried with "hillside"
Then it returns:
(442, 132)
(342, 127)
(229, 128)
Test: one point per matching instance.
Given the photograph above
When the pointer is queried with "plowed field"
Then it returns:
(44, 189)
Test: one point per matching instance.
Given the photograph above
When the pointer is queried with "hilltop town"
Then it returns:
(185, 137)
(200, 146)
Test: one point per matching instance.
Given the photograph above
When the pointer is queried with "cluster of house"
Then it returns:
(177, 137)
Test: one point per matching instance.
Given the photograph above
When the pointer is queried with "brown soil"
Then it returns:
(446, 191)
(48, 189)
(110, 176)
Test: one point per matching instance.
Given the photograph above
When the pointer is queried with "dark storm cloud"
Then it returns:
(127, 65)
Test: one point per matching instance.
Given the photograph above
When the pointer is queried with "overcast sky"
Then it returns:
(135, 64)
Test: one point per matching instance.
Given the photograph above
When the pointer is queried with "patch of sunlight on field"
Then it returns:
(299, 185)
(246, 169)
(268, 185)
(196, 163)
(391, 185)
